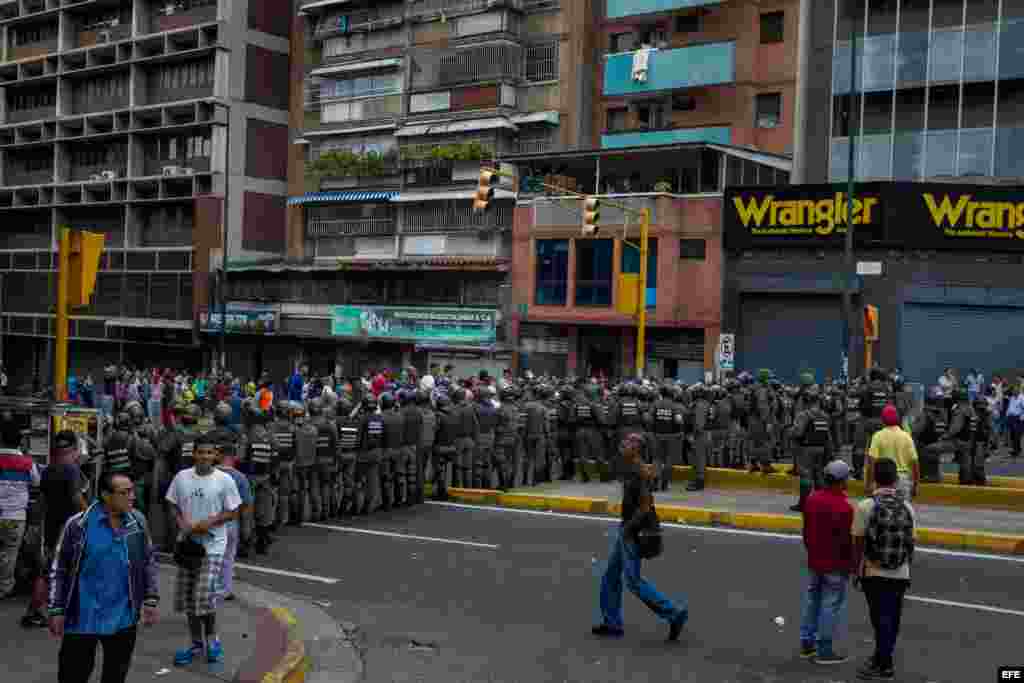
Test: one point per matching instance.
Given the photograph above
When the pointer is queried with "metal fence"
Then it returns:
(446, 67)
(454, 216)
(541, 62)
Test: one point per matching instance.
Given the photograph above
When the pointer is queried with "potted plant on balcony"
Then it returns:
(348, 164)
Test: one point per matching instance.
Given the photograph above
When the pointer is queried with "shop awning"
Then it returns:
(537, 117)
(150, 323)
(406, 197)
(441, 346)
(358, 66)
(321, 4)
(348, 131)
(444, 128)
(325, 197)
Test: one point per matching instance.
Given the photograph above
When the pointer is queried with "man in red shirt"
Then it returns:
(828, 518)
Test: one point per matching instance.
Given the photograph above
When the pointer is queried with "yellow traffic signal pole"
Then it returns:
(60, 355)
(486, 183)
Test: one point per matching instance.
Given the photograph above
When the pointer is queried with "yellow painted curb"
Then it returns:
(955, 539)
(293, 666)
(487, 496)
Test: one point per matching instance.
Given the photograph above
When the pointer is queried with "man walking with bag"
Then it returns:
(636, 539)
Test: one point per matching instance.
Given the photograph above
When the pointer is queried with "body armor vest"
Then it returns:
(374, 432)
(583, 413)
(285, 436)
(348, 437)
(118, 457)
(428, 432)
(261, 454)
(552, 418)
(629, 413)
(818, 430)
(487, 415)
(305, 445)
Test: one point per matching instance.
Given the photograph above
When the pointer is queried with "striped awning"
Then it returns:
(325, 197)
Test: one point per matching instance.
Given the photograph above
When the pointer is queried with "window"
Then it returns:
(185, 75)
(552, 272)
(594, 272)
(650, 115)
(631, 264)
(692, 249)
(621, 42)
(653, 36)
(542, 62)
(381, 84)
(768, 108)
(33, 100)
(684, 103)
(688, 23)
(35, 34)
(616, 119)
(772, 27)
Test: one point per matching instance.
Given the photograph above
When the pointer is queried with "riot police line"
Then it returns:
(339, 456)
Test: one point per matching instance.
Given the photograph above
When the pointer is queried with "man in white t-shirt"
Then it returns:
(205, 500)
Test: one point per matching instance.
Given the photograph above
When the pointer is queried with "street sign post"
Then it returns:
(726, 352)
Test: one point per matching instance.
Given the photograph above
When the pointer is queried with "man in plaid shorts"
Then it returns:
(205, 499)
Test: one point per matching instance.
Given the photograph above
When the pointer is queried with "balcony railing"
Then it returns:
(423, 9)
(370, 19)
(616, 9)
(343, 111)
(14, 178)
(154, 166)
(82, 173)
(29, 50)
(160, 21)
(350, 227)
(22, 115)
(104, 35)
(90, 105)
(434, 68)
(455, 215)
(160, 95)
(685, 67)
(721, 135)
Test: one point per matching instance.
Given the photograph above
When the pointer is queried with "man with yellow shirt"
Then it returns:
(893, 443)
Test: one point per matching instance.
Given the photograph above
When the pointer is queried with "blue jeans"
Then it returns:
(623, 560)
(824, 602)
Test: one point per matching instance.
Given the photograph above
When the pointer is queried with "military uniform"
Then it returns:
(368, 464)
(813, 435)
(929, 432)
(872, 400)
(348, 455)
(588, 440)
(307, 504)
(326, 469)
(260, 459)
(534, 440)
(506, 438)
(763, 427)
(667, 426)
(425, 448)
(553, 471)
(405, 469)
(701, 418)
(487, 416)
(284, 434)
(449, 426)
(720, 424)
(392, 444)
(465, 443)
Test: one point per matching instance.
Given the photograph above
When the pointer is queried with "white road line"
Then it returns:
(393, 534)
(281, 572)
(966, 605)
(718, 530)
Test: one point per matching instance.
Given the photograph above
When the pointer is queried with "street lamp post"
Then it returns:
(848, 267)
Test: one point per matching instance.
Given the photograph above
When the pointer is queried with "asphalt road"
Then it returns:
(500, 595)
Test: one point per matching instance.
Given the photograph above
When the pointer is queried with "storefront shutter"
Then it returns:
(790, 333)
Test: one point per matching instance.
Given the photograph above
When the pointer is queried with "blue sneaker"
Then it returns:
(185, 656)
(215, 652)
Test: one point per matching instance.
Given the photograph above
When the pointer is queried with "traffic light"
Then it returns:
(84, 261)
(591, 216)
(870, 323)
(485, 192)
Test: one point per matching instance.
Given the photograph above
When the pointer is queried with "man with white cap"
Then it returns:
(828, 518)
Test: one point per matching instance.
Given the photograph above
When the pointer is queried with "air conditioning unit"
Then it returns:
(171, 170)
(187, 171)
(103, 37)
(108, 175)
(96, 178)
(116, 21)
(169, 9)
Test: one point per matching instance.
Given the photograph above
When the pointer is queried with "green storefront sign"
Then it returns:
(463, 325)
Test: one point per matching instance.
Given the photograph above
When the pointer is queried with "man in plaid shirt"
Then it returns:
(884, 586)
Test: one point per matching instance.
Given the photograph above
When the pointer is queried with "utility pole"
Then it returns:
(641, 319)
(848, 267)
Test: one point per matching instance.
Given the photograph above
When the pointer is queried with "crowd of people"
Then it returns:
(266, 455)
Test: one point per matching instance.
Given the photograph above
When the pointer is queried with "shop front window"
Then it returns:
(552, 272)
(594, 272)
(631, 264)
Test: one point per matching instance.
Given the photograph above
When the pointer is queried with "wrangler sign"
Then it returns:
(909, 215)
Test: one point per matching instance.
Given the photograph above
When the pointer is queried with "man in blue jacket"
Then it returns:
(102, 583)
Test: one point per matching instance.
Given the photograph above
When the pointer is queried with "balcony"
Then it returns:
(85, 173)
(617, 9)
(352, 111)
(429, 9)
(161, 21)
(341, 227)
(99, 36)
(15, 177)
(721, 135)
(30, 50)
(479, 64)
(685, 67)
(153, 166)
(364, 20)
(34, 114)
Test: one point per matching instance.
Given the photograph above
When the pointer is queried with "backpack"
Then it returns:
(889, 537)
(817, 430)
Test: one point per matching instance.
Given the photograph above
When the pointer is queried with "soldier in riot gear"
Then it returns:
(506, 440)
(589, 443)
(628, 417)
(465, 440)
(965, 428)
(972, 470)
(553, 469)
(763, 424)
(405, 474)
(487, 416)
(929, 431)
(737, 439)
(720, 423)
(229, 444)
(812, 434)
(119, 446)
(667, 426)
(873, 400)
(702, 417)
(535, 435)
(260, 457)
(306, 506)
(425, 447)
(449, 426)
(348, 453)
(394, 434)
(371, 454)
(284, 434)
(326, 459)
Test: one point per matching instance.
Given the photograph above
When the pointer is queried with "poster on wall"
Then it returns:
(462, 325)
(247, 320)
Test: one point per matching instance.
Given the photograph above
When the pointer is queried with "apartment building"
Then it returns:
(161, 124)
(395, 106)
(690, 71)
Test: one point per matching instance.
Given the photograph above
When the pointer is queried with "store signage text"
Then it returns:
(463, 325)
(969, 218)
(771, 216)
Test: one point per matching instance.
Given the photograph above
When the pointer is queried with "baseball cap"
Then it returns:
(837, 470)
(890, 416)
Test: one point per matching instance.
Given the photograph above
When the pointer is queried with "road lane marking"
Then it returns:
(717, 529)
(281, 572)
(393, 534)
(966, 605)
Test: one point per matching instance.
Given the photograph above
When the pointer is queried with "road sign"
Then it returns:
(726, 352)
(869, 267)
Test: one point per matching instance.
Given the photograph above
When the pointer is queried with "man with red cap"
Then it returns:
(893, 443)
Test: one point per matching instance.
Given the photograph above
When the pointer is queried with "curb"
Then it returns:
(995, 496)
(954, 539)
(294, 664)
(999, 482)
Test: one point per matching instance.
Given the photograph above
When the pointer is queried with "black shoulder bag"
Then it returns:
(649, 543)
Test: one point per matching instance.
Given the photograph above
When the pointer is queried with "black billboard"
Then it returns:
(901, 215)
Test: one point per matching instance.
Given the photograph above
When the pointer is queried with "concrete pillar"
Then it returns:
(572, 363)
(800, 109)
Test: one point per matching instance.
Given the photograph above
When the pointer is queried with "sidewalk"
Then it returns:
(30, 655)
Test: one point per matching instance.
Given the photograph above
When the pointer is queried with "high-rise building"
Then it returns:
(396, 105)
(936, 91)
(157, 123)
(681, 71)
